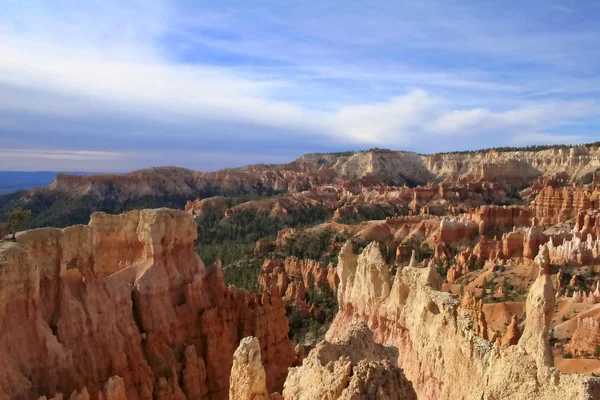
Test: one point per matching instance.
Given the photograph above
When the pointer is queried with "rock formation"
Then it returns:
(127, 295)
(199, 207)
(437, 348)
(586, 339)
(501, 218)
(452, 230)
(554, 205)
(248, 380)
(292, 277)
(474, 308)
(512, 334)
(352, 367)
(575, 251)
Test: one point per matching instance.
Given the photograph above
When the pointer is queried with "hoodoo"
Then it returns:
(437, 348)
(127, 296)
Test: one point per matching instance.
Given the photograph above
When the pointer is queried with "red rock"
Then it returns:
(512, 334)
(586, 338)
(127, 295)
(552, 206)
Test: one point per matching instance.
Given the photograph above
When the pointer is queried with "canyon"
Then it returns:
(127, 296)
(359, 275)
(172, 186)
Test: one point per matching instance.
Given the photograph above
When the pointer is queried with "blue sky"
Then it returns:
(111, 85)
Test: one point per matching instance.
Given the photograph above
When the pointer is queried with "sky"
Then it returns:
(117, 85)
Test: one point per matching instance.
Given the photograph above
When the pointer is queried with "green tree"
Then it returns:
(16, 219)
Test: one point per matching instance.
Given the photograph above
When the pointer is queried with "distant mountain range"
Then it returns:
(70, 198)
(11, 181)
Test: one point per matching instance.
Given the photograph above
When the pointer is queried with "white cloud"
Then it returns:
(419, 116)
(107, 60)
(386, 122)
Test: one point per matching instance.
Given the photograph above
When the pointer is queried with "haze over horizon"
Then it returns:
(116, 86)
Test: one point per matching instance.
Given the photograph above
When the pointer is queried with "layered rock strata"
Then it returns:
(127, 296)
(554, 205)
(438, 350)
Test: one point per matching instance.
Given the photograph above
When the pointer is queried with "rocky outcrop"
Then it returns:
(474, 307)
(575, 251)
(495, 219)
(127, 295)
(581, 296)
(586, 338)
(352, 367)
(514, 167)
(262, 247)
(114, 389)
(512, 334)
(454, 229)
(436, 345)
(248, 380)
(199, 207)
(554, 205)
(292, 277)
(588, 223)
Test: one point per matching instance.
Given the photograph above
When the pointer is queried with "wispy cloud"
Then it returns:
(173, 76)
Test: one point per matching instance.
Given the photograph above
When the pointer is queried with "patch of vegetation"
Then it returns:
(249, 226)
(315, 246)
(369, 212)
(243, 274)
(533, 148)
(60, 209)
(312, 328)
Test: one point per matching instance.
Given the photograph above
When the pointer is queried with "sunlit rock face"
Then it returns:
(352, 367)
(555, 205)
(127, 296)
(438, 349)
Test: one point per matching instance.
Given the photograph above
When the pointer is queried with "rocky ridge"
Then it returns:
(361, 169)
(127, 296)
(354, 367)
(436, 345)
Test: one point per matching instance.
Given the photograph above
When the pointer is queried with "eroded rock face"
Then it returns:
(586, 339)
(353, 367)
(127, 295)
(292, 277)
(501, 218)
(200, 207)
(248, 380)
(555, 205)
(512, 334)
(437, 348)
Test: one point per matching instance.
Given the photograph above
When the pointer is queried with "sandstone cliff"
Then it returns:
(554, 205)
(586, 339)
(482, 173)
(127, 296)
(353, 367)
(437, 349)
(248, 378)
